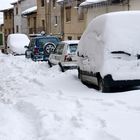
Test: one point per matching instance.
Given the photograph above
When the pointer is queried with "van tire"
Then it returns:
(79, 74)
(81, 77)
(50, 64)
(101, 86)
(61, 67)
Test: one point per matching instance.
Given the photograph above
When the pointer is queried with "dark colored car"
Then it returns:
(40, 47)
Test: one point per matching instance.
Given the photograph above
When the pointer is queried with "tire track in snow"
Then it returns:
(32, 115)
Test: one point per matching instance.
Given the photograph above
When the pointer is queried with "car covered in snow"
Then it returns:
(65, 55)
(40, 47)
(109, 51)
(16, 43)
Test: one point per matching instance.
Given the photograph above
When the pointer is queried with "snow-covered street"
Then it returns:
(42, 103)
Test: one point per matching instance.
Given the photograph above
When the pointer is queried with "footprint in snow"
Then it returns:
(102, 135)
(134, 108)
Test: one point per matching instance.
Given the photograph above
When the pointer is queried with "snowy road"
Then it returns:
(41, 103)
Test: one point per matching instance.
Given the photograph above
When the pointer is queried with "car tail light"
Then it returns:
(67, 58)
(36, 50)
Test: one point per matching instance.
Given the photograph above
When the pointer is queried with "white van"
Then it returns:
(109, 51)
(16, 43)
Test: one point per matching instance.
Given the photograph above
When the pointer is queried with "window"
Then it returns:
(43, 24)
(69, 37)
(5, 31)
(55, 22)
(17, 28)
(54, 2)
(34, 18)
(5, 15)
(81, 15)
(10, 15)
(68, 14)
(16, 10)
(29, 22)
(42, 3)
(78, 37)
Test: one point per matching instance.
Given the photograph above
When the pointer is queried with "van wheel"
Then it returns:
(101, 86)
(50, 64)
(79, 73)
(80, 77)
(61, 67)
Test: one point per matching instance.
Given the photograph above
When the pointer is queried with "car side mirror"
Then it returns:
(78, 53)
(26, 47)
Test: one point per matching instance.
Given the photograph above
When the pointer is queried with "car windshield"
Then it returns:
(72, 48)
(42, 41)
(59, 49)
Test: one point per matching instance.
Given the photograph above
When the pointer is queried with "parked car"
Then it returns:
(65, 55)
(40, 47)
(16, 43)
(109, 51)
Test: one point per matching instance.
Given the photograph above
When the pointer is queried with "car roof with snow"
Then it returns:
(70, 41)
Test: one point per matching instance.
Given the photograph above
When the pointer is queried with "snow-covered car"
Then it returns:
(109, 51)
(40, 47)
(65, 55)
(16, 43)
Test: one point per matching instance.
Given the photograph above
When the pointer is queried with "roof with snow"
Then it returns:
(91, 2)
(29, 10)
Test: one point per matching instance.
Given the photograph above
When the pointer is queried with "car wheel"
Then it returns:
(27, 54)
(79, 74)
(49, 48)
(50, 64)
(61, 67)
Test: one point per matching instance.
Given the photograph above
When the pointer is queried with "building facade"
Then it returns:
(93, 10)
(20, 22)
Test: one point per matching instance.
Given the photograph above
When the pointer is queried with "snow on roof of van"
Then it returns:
(117, 31)
(90, 2)
(17, 41)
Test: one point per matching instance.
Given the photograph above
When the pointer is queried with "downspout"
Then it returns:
(128, 5)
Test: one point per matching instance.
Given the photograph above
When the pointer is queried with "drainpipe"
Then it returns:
(128, 5)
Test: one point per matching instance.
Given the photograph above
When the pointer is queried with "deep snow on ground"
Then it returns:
(42, 103)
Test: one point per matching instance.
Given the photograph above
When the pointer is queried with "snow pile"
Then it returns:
(42, 103)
